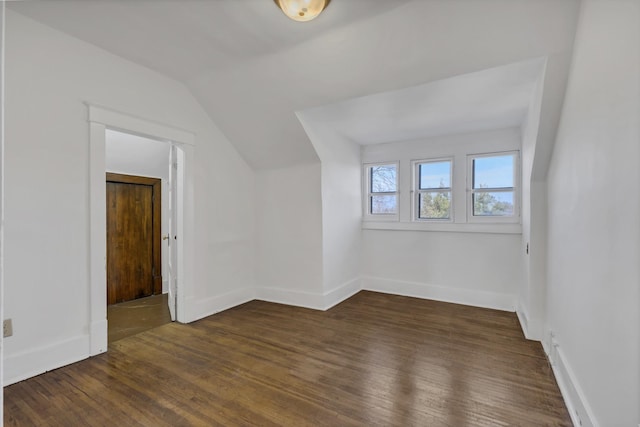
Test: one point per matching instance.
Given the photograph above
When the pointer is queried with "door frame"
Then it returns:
(100, 118)
(156, 220)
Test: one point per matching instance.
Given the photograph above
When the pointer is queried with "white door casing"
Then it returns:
(101, 118)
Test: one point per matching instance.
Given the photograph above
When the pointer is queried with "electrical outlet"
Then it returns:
(7, 328)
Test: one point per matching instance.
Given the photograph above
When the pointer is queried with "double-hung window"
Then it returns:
(382, 191)
(493, 187)
(432, 191)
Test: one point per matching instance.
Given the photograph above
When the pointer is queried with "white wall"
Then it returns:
(134, 155)
(476, 264)
(49, 76)
(532, 293)
(2, 17)
(466, 268)
(594, 220)
(289, 236)
(341, 223)
(341, 208)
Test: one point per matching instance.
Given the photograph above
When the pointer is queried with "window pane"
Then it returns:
(384, 205)
(493, 203)
(434, 205)
(383, 178)
(435, 175)
(493, 172)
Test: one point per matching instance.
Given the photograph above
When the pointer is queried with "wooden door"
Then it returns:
(133, 237)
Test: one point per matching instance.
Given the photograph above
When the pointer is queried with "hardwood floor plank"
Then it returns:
(374, 360)
(132, 317)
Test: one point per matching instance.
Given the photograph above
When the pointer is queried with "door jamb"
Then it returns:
(101, 118)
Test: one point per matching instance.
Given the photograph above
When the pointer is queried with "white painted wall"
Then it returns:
(476, 264)
(289, 236)
(49, 76)
(2, 26)
(532, 293)
(341, 222)
(341, 207)
(466, 268)
(594, 247)
(135, 155)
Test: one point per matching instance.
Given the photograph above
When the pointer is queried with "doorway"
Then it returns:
(135, 301)
(182, 143)
(140, 199)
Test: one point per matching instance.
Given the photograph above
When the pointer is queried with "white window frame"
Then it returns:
(471, 218)
(366, 180)
(416, 191)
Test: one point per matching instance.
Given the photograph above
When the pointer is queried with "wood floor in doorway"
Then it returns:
(374, 360)
(133, 317)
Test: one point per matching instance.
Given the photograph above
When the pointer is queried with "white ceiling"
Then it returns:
(251, 68)
(187, 38)
(489, 99)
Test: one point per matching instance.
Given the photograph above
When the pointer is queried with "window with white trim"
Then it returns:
(432, 190)
(382, 191)
(493, 187)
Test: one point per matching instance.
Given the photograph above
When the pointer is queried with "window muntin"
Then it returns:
(382, 189)
(433, 189)
(493, 185)
(492, 182)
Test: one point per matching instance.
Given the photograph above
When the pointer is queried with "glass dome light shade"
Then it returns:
(302, 10)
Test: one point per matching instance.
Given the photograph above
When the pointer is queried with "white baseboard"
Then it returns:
(99, 337)
(313, 300)
(494, 300)
(577, 405)
(289, 297)
(199, 308)
(531, 328)
(342, 292)
(34, 362)
(523, 319)
(27, 364)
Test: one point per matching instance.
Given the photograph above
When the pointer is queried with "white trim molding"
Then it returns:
(97, 239)
(138, 125)
(577, 405)
(197, 309)
(27, 364)
(313, 300)
(341, 293)
(455, 227)
(493, 300)
(304, 299)
(531, 328)
(324, 301)
(100, 118)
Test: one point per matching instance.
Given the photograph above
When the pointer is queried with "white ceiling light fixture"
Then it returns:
(302, 10)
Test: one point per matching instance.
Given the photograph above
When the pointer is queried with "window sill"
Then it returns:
(449, 227)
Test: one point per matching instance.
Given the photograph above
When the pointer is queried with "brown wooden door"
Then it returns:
(133, 237)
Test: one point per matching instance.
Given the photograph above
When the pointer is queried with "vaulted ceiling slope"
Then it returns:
(251, 68)
(495, 98)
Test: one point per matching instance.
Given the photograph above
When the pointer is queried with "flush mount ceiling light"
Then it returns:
(302, 10)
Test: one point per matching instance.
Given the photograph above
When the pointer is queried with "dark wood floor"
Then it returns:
(374, 360)
(132, 317)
